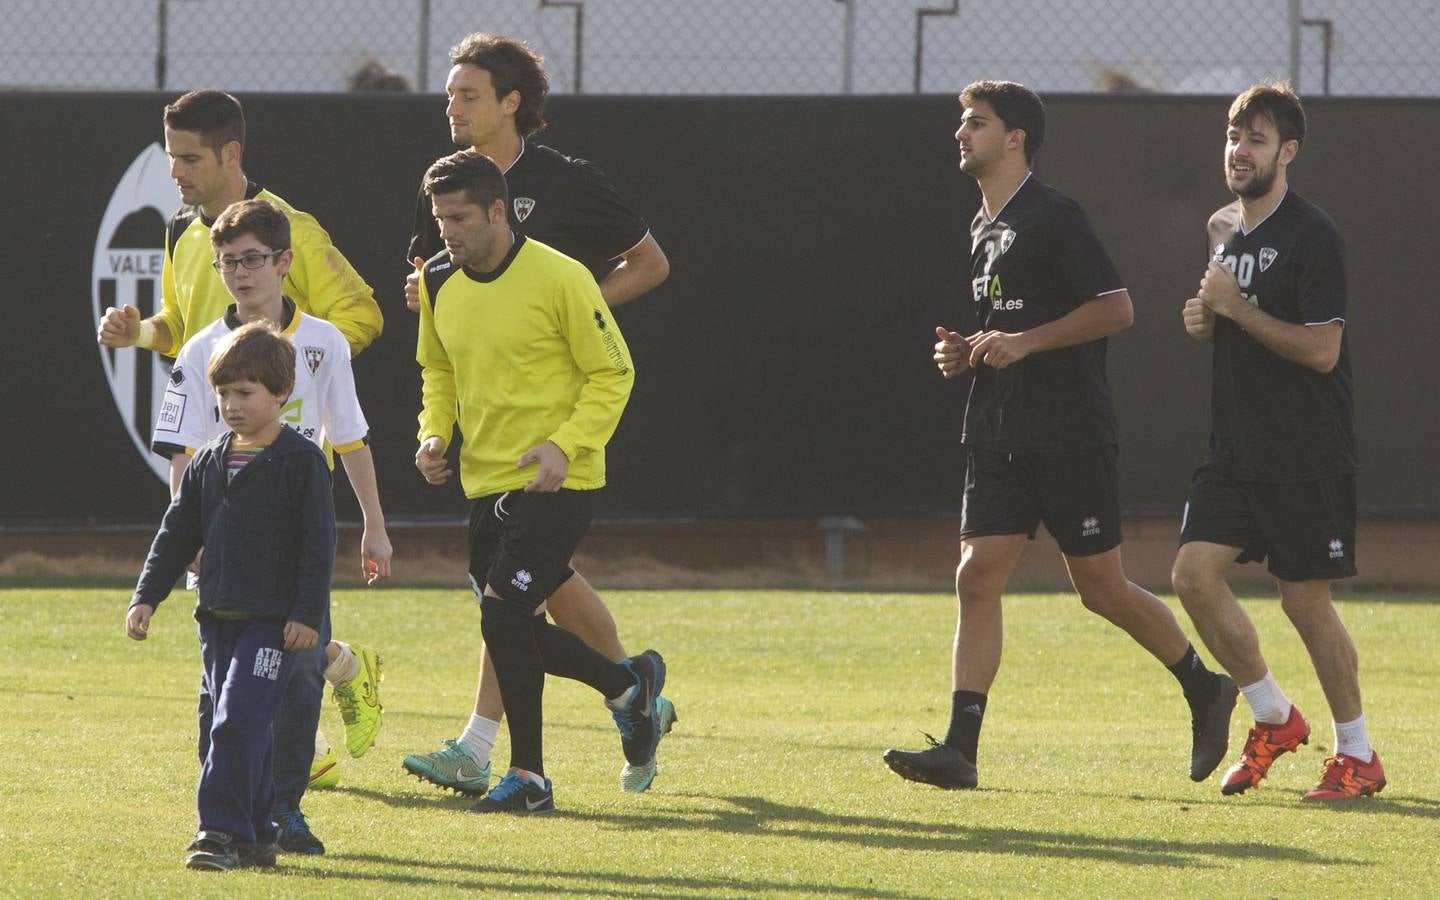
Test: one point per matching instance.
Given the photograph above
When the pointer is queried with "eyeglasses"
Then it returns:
(249, 261)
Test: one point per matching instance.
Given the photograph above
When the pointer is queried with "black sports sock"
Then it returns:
(1199, 683)
(566, 655)
(967, 711)
(521, 671)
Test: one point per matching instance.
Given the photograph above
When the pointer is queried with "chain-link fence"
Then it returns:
(1378, 47)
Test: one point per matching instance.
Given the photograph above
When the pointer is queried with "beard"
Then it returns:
(1262, 179)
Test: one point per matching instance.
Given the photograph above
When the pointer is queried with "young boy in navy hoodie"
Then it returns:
(258, 499)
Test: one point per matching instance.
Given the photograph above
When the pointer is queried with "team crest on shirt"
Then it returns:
(1267, 256)
(523, 207)
(1007, 237)
(314, 356)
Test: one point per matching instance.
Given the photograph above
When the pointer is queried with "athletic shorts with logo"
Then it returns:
(521, 543)
(1075, 493)
(1306, 531)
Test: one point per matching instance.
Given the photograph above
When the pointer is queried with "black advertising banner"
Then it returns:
(784, 368)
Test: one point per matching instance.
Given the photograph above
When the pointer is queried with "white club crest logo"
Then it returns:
(313, 357)
(1007, 237)
(1267, 256)
(129, 256)
(523, 207)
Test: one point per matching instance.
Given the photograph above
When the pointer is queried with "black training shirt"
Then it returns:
(1036, 261)
(558, 200)
(1274, 420)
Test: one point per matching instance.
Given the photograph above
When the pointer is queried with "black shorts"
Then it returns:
(521, 544)
(1306, 530)
(1075, 493)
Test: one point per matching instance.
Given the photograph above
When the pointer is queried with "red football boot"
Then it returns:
(1265, 742)
(1346, 777)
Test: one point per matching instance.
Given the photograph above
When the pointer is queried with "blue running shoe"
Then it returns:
(637, 719)
(295, 834)
(637, 779)
(519, 792)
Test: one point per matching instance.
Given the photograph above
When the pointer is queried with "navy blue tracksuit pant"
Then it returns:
(246, 673)
(296, 722)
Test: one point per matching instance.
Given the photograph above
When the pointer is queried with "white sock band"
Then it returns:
(479, 737)
(1267, 702)
(345, 667)
(1352, 740)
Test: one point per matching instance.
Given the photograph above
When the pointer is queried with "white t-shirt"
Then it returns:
(322, 407)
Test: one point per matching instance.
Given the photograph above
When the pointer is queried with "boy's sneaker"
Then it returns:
(452, 768)
(255, 855)
(939, 764)
(359, 702)
(519, 792)
(214, 851)
(295, 834)
(1265, 742)
(637, 779)
(324, 771)
(1346, 777)
(1210, 730)
(637, 719)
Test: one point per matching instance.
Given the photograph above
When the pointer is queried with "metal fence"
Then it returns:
(1377, 47)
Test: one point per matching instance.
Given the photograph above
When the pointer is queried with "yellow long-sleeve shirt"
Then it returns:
(516, 357)
(320, 281)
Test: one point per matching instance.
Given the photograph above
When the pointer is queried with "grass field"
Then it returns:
(772, 781)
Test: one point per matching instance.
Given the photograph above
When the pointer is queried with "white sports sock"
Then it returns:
(345, 667)
(1352, 740)
(479, 737)
(1267, 702)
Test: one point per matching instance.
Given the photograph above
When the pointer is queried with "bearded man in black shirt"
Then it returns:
(1040, 432)
(1278, 480)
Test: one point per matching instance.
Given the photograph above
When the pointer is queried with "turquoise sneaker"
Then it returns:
(637, 779)
(452, 768)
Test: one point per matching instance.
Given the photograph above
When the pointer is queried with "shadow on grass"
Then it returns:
(1273, 798)
(514, 880)
(433, 797)
(755, 815)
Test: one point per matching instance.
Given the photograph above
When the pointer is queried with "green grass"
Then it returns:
(770, 784)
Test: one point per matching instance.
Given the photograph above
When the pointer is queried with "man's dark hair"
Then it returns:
(1016, 105)
(1277, 102)
(215, 115)
(261, 219)
(470, 171)
(513, 66)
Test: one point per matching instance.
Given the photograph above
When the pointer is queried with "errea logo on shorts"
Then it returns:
(267, 663)
(1090, 526)
(1337, 548)
(522, 579)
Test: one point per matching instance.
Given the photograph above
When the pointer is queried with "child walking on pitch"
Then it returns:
(258, 500)
(251, 240)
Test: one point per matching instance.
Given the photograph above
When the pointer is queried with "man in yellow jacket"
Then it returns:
(205, 140)
(517, 348)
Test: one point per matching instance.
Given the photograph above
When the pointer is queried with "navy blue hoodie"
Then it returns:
(269, 535)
